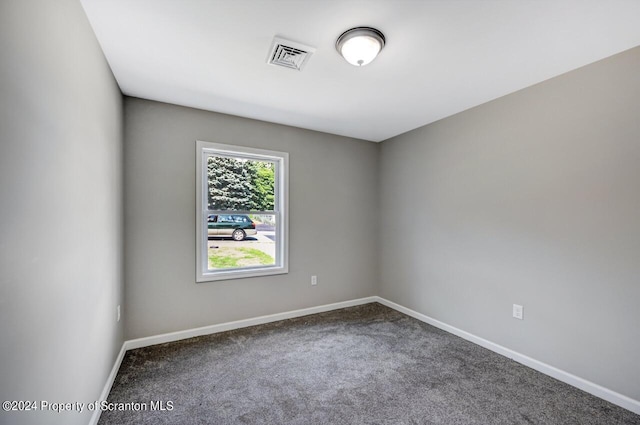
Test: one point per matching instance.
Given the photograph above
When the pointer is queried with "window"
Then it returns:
(241, 220)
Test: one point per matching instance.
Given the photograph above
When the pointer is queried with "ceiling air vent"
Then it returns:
(289, 54)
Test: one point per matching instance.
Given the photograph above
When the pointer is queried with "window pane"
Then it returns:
(238, 184)
(242, 198)
(240, 241)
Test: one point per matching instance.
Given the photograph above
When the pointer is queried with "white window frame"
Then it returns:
(281, 211)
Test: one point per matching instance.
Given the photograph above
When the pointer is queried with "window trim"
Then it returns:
(282, 208)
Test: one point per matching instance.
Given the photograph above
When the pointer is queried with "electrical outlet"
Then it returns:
(118, 309)
(314, 280)
(518, 311)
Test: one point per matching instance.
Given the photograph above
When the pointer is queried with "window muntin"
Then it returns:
(242, 221)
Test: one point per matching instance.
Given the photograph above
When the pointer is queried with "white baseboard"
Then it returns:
(566, 377)
(222, 327)
(107, 386)
(590, 387)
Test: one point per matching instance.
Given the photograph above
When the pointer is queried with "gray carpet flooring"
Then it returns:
(361, 365)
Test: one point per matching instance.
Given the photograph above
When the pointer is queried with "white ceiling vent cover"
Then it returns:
(289, 54)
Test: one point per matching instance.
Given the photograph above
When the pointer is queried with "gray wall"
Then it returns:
(60, 209)
(333, 205)
(532, 199)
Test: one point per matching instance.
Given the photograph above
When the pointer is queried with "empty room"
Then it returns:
(319, 212)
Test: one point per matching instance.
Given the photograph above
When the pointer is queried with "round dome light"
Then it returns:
(359, 46)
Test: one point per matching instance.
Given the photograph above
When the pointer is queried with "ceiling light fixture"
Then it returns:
(360, 45)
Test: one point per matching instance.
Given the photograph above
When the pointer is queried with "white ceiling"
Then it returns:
(441, 57)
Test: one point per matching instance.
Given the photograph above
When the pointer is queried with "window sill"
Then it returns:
(240, 274)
